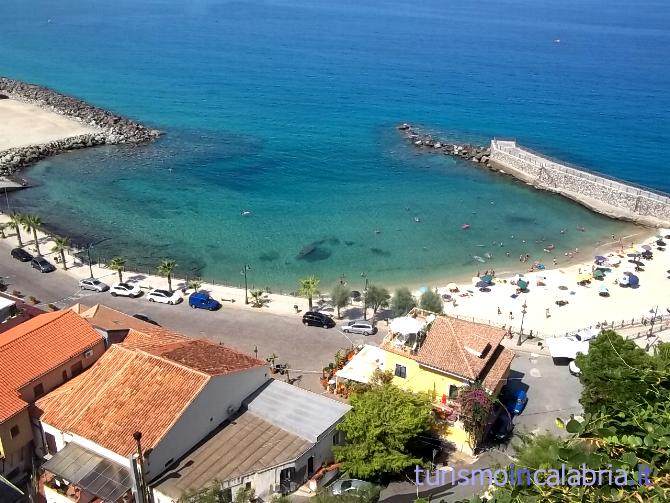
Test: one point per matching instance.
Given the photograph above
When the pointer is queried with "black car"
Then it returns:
(42, 264)
(21, 254)
(502, 428)
(315, 319)
(145, 318)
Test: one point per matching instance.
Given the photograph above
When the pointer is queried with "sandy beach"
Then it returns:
(503, 305)
(23, 124)
(584, 308)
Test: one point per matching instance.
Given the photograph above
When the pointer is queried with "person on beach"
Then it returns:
(546, 313)
(555, 261)
(499, 311)
(511, 316)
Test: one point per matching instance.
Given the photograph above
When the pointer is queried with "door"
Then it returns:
(310, 466)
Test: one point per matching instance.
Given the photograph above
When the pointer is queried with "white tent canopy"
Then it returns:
(362, 365)
(405, 325)
(566, 347)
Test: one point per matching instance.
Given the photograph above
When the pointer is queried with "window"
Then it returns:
(14, 432)
(247, 486)
(76, 369)
(453, 392)
(38, 391)
(400, 371)
(337, 438)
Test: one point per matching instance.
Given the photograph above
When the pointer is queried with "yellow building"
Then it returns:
(451, 354)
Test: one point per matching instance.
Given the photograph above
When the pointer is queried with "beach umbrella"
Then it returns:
(423, 289)
(614, 260)
(481, 284)
(646, 247)
(633, 280)
(452, 287)
(562, 287)
(583, 277)
(660, 242)
(603, 289)
(598, 274)
(600, 258)
(487, 278)
(522, 284)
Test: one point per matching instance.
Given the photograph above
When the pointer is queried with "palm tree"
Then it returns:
(16, 221)
(165, 269)
(60, 245)
(257, 299)
(195, 284)
(33, 223)
(309, 287)
(118, 264)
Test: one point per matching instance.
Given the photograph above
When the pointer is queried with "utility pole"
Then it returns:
(246, 268)
(523, 316)
(143, 489)
(365, 296)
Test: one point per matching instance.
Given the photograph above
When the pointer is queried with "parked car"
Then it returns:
(203, 300)
(316, 319)
(348, 486)
(574, 369)
(21, 255)
(93, 284)
(145, 318)
(502, 428)
(42, 264)
(517, 402)
(359, 327)
(164, 296)
(125, 290)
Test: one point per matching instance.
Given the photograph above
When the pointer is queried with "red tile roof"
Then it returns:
(108, 319)
(465, 349)
(143, 384)
(125, 391)
(36, 347)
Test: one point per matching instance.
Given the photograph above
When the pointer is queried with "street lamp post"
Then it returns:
(653, 320)
(365, 296)
(523, 316)
(88, 253)
(246, 268)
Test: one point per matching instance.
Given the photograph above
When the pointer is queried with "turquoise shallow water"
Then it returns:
(288, 108)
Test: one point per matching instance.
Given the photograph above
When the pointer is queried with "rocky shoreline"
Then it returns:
(113, 129)
(474, 153)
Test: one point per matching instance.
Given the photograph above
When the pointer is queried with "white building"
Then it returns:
(173, 390)
(280, 438)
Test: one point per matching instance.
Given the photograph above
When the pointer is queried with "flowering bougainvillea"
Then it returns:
(476, 406)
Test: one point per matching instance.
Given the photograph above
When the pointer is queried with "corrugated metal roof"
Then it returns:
(299, 411)
(246, 445)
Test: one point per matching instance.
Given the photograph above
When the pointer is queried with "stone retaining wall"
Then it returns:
(599, 193)
(113, 129)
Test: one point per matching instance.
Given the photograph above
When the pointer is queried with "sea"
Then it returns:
(280, 150)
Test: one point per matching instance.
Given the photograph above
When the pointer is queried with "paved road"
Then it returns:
(303, 348)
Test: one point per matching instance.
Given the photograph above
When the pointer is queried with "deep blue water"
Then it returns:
(287, 108)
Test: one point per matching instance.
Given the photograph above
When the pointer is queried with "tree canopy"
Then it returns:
(621, 430)
(403, 301)
(380, 430)
(431, 301)
(341, 295)
(377, 297)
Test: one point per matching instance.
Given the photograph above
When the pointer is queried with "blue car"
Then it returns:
(517, 402)
(202, 300)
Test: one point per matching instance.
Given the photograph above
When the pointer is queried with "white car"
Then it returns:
(93, 284)
(125, 290)
(164, 296)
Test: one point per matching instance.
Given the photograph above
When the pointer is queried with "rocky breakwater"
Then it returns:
(111, 129)
(473, 153)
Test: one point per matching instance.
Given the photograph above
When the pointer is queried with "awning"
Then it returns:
(364, 363)
(405, 325)
(563, 347)
(91, 472)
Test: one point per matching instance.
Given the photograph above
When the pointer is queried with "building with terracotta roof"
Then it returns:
(113, 325)
(36, 357)
(439, 356)
(173, 389)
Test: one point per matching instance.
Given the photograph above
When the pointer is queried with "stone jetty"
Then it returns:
(112, 129)
(474, 153)
(601, 193)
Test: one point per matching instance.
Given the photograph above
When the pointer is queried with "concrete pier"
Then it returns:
(601, 193)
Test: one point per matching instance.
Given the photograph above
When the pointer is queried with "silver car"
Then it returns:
(359, 327)
(350, 485)
(93, 284)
